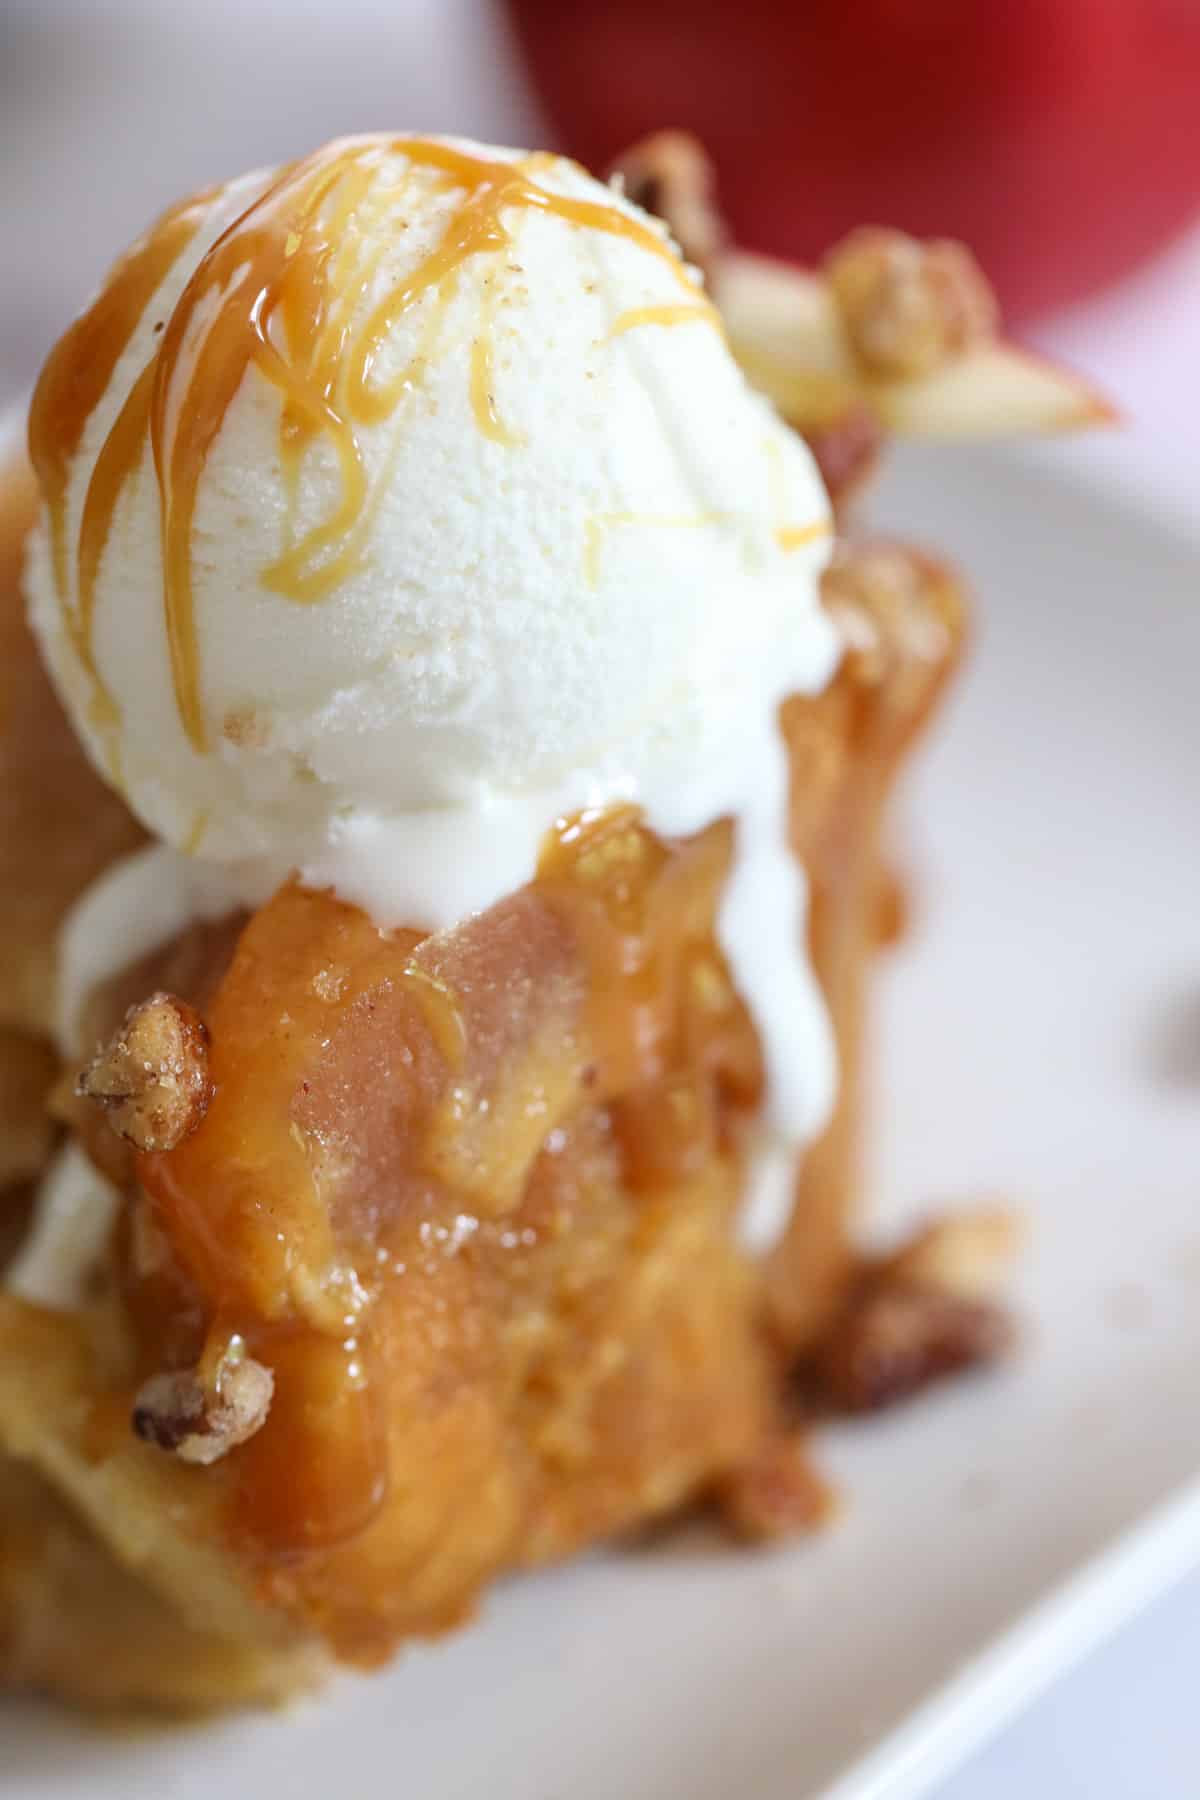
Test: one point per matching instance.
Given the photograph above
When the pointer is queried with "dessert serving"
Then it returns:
(444, 769)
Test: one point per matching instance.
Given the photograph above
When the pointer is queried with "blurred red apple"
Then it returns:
(1060, 138)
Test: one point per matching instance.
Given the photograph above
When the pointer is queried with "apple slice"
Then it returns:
(785, 329)
(996, 390)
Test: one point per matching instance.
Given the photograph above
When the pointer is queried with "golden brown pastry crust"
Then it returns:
(76, 1623)
(103, 1599)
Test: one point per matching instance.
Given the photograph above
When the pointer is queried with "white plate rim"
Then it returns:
(1053, 1637)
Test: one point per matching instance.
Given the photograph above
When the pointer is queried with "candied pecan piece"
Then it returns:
(671, 175)
(176, 1411)
(776, 1494)
(152, 1079)
(899, 1340)
(908, 306)
(967, 1255)
(929, 1310)
(900, 614)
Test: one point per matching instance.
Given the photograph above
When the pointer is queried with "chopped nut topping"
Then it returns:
(967, 1255)
(176, 1412)
(908, 306)
(670, 175)
(927, 1311)
(898, 1341)
(899, 612)
(151, 1079)
(777, 1494)
(168, 1409)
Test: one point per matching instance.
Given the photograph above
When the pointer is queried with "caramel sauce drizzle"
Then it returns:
(795, 537)
(483, 397)
(699, 312)
(280, 291)
(72, 384)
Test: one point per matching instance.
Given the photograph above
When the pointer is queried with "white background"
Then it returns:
(109, 110)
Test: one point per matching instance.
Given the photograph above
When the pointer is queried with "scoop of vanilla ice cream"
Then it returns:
(573, 592)
(582, 568)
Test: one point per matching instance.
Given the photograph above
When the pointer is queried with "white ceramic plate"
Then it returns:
(1041, 1039)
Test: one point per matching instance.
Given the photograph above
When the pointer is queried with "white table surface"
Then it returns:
(123, 105)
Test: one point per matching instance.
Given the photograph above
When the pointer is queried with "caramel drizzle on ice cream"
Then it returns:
(282, 291)
(694, 312)
(278, 292)
(72, 384)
